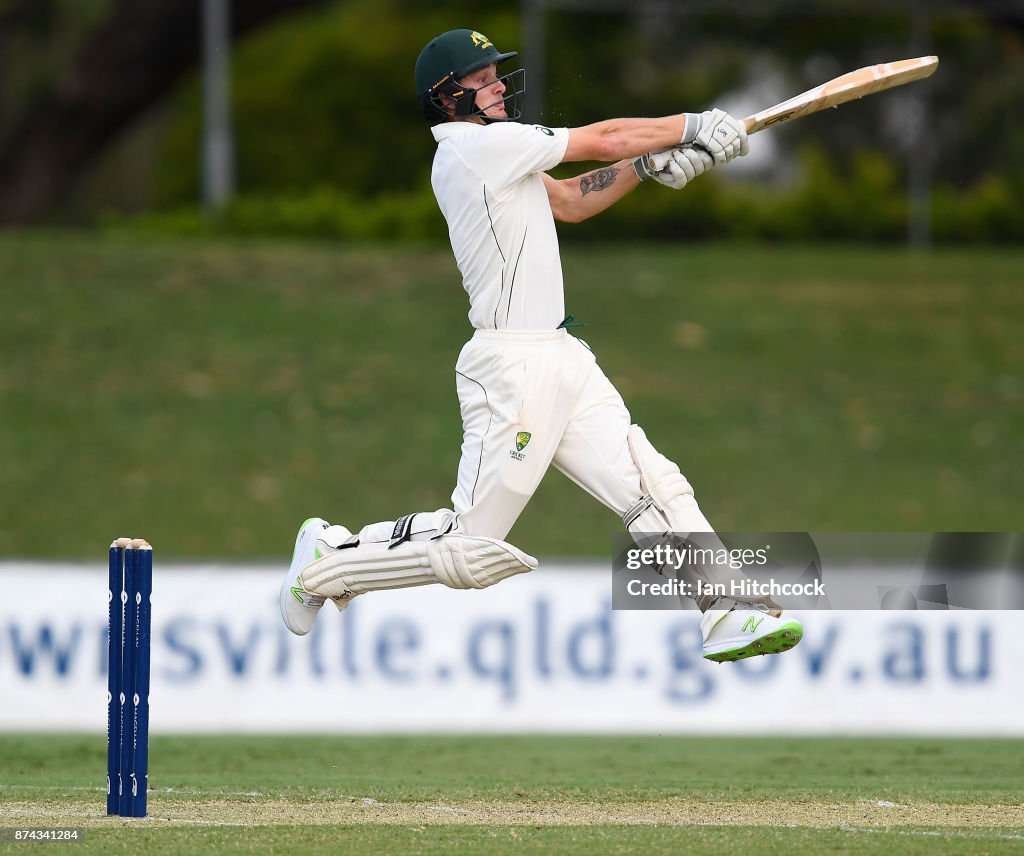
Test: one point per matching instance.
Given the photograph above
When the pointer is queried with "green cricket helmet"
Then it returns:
(451, 56)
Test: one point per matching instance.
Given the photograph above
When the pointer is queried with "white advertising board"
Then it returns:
(542, 652)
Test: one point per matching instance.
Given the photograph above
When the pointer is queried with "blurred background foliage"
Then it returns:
(242, 383)
(330, 142)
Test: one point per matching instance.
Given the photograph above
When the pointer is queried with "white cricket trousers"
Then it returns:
(529, 400)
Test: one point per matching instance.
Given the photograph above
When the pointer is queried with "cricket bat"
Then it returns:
(854, 84)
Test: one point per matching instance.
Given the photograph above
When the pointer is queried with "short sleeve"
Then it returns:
(510, 151)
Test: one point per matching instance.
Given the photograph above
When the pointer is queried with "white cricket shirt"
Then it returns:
(487, 182)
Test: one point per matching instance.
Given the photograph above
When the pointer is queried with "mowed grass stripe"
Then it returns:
(514, 768)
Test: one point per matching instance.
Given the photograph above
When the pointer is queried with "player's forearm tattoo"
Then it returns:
(597, 180)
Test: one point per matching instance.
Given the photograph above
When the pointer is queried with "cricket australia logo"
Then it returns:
(480, 40)
(522, 439)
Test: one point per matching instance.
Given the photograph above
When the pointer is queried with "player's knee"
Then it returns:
(661, 477)
(667, 503)
(465, 562)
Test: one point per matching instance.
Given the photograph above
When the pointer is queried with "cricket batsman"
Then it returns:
(531, 394)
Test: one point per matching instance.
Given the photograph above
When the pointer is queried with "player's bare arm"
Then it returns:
(619, 139)
(672, 150)
(581, 197)
(575, 199)
(723, 136)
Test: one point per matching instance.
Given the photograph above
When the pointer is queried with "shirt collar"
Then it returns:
(450, 129)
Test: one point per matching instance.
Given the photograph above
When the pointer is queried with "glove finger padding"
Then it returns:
(672, 176)
(682, 165)
(722, 135)
(673, 167)
(744, 140)
(693, 161)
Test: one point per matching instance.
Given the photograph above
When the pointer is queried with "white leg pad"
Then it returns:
(457, 561)
(668, 504)
(668, 508)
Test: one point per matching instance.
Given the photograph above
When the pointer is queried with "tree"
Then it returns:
(132, 57)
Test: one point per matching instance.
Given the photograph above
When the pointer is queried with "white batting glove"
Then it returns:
(722, 135)
(687, 163)
(649, 165)
(673, 167)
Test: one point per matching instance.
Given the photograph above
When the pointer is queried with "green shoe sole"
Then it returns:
(783, 639)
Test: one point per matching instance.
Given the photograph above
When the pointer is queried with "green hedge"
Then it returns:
(330, 142)
(866, 202)
(324, 213)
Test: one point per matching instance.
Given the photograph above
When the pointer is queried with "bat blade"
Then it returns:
(847, 87)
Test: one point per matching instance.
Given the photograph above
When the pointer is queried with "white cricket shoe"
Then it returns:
(747, 630)
(316, 538)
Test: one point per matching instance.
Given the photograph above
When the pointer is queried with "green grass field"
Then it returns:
(530, 794)
(211, 395)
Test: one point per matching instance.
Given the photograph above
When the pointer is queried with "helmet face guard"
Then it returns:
(434, 108)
